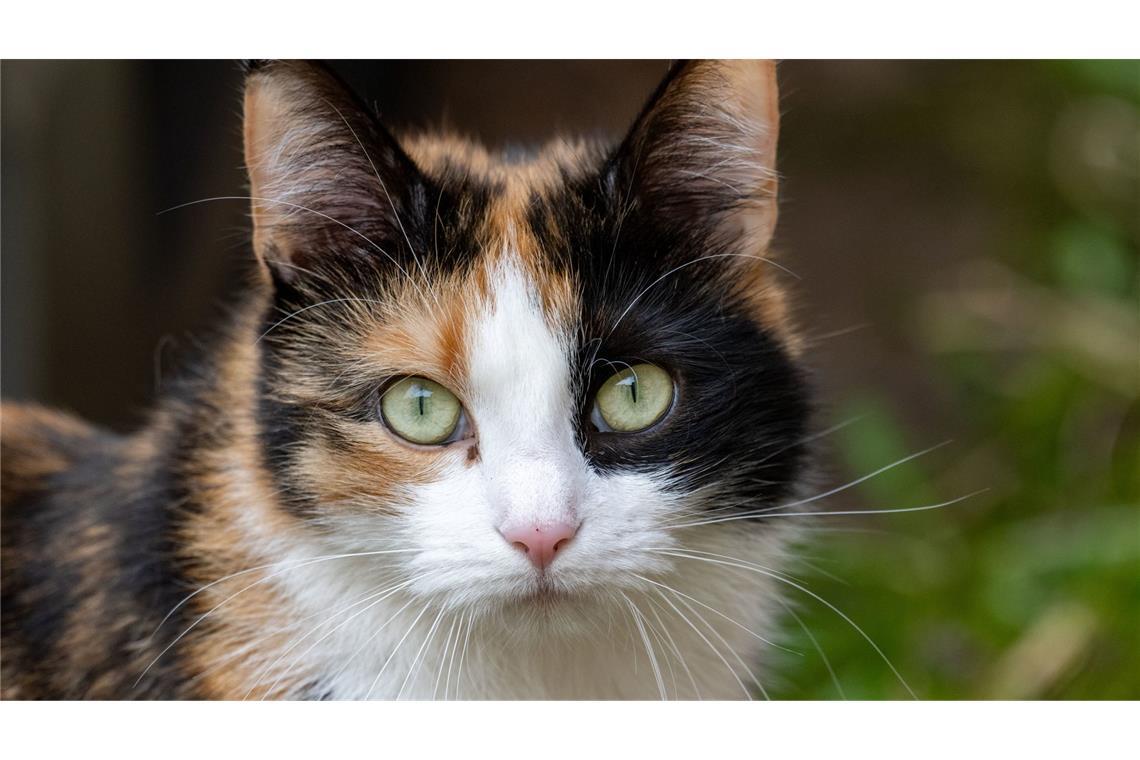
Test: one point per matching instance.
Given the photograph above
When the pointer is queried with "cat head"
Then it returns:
(527, 379)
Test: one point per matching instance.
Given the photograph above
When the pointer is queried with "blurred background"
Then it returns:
(967, 236)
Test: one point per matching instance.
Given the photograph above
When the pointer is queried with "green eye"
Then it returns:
(635, 398)
(421, 411)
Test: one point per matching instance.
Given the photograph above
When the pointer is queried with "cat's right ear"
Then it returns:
(326, 179)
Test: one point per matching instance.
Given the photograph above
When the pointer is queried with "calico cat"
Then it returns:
(481, 427)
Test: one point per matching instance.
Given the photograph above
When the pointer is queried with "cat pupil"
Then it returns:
(421, 395)
(631, 383)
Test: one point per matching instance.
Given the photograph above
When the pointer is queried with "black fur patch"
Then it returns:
(742, 408)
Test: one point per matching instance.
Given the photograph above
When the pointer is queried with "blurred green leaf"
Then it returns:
(1118, 77)
(876, 442)
(1090, 258)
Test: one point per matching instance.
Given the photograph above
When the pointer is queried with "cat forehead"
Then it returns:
(500, 266)
(527, 253)
(513, 171)
(482, 327)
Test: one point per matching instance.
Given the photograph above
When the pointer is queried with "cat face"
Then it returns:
(527, 379)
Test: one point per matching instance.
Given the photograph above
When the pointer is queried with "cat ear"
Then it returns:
(701, 157)
(325, 178)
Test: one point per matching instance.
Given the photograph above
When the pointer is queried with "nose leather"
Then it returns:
(541, 543)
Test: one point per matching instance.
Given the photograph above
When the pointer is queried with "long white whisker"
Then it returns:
(300, 208)
(736, 656)
(463, 654)
(383, 595)
(842, 488)
(653, 607)
(648, 647)
(868, 476)
(384, 187)
(404, 638)
(443, 657)
(718, 612)
(676, 269)
(463, 623)
(708, 643)
(266, 566)
(377, 632)
(826, 661)
(776, 576)
(242, 591)
(766, 515)
(656, 634)
(815, 436)
(260, 640)
(414, 668)
(301, 311)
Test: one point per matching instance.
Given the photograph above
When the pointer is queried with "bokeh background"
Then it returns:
(966, 236)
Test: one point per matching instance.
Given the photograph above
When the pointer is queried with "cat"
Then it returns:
(482, 427)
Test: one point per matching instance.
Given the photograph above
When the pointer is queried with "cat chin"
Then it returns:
(537, 594)
(547, 615)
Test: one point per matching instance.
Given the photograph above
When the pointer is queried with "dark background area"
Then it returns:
(965, 234)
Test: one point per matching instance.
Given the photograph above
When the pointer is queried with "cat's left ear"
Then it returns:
(326, 179)
(701, 157)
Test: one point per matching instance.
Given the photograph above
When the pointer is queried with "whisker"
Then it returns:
(766, 515)
(826, 661)
(718, 612)
(656, 634)
(414, 668)
(815, 568)
(257, 642)
(819, 338)
(443, 657)
(745, 565)
(736, 656)
(648, 647)
(404, 638)
(238, 593)
(371, 638)
(846, 486)
(678, 268)
(708, 643)
(266, 566)
(463, 623)
(383, 595)
(298, 207)
(816, 436)
(463, 655)
(673, 645)
(298, 312)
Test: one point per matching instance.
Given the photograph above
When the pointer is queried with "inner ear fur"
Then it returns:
(325, 177)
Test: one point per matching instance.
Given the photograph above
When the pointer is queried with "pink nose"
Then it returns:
(541, 543)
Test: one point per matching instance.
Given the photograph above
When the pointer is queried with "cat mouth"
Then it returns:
(544, 592)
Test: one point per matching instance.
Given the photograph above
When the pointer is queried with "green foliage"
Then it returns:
(1030, 589)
